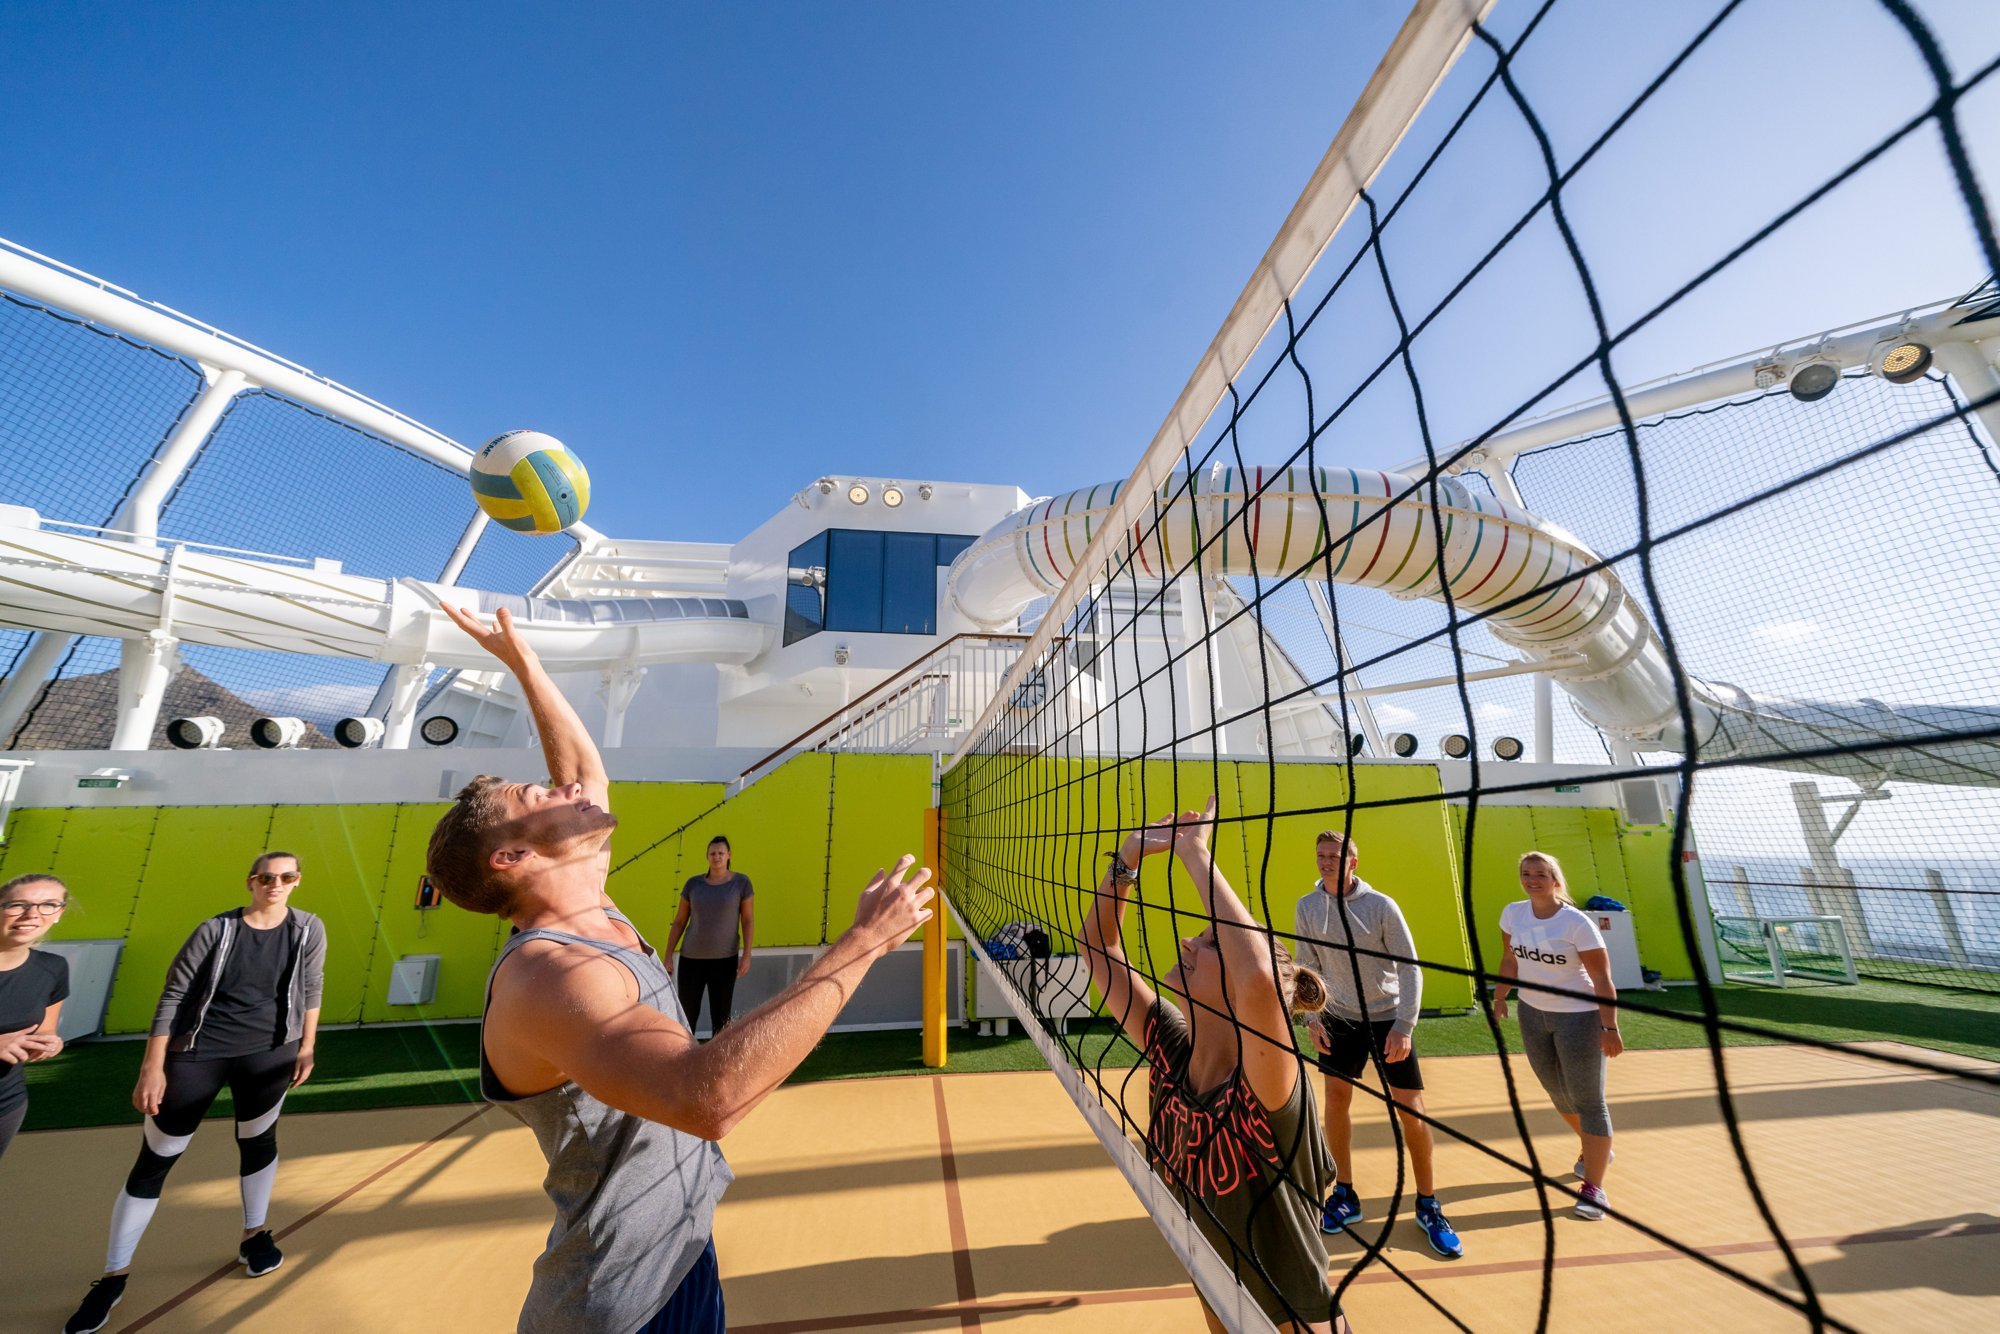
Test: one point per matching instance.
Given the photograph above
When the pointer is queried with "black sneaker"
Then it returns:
(95, 1312)
(260, 1255)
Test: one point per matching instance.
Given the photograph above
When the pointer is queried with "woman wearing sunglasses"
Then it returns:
(33, 986)
(241, 1009)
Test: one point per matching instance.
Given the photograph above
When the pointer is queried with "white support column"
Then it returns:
(621, 686)
(406, 690)
(462, 553)
(1322, 599)
(140, 513)
(145, 666)
(1545, 719)
(44, 651)
(1971, 367)
(1194, 670)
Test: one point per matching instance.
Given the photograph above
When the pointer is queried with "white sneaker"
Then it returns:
(1593, 1204)
(1577, 1171)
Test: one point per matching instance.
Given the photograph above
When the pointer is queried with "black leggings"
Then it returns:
(10, 1122)
(715, 976)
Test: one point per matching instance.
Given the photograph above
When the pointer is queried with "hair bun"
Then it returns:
(1308, 992)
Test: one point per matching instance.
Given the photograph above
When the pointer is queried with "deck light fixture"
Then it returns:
(1903, 361)
(825, 485)
(1357, 744)
(438, 730)
(858, 494)
(278, 733)
(892, 496)
(195, 733)
(1508, 748)
(1456, 746)
(924, 491)
(1401, 744)
(358, 733)
(1814, 380)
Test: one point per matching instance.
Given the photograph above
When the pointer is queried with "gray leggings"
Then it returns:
(1567, 1054)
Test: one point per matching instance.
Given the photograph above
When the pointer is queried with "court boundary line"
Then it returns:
(203, 1284)
(998, 1306)
(954, 1209)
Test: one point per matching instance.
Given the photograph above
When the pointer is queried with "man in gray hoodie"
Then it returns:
(1355, 938)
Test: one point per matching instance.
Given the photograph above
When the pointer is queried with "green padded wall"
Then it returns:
(878, 815)
(1649, 884)
(343, 853)
(467, 943)
(1405, 848)
(194, 869)
(99, 854)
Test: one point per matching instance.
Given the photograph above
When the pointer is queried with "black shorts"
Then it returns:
(1354, 1043)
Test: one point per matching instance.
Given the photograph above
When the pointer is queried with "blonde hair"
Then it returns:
(1556, 870)
(1302, 989)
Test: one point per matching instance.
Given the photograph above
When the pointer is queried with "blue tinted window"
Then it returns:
(879, 583)
(853, 580)
(805, 612)
(909, 584)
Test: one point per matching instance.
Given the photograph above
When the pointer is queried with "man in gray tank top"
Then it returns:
(585, 1042)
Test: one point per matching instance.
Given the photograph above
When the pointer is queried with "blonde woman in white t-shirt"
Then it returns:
(1550, 948)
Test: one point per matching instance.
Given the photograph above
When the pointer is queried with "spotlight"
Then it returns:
(1814, 381)
(1902, 363)
(840, 655)
(356, 733)
(858, 494)
(1456, 746)
(278, 733)
(892, 496)
(1357, 744)
(195, 733)
(825, 485)
(438, 730)
(1401, 744)
(925, 491)
(1508, 748)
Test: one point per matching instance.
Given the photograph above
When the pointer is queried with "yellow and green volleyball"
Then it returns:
(530, 482)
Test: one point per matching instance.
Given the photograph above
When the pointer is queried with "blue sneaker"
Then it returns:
(1430, 1217)
(1343, 1209)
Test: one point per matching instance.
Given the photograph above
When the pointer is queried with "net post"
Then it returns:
(935, 954)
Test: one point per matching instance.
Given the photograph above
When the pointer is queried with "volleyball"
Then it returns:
(530, 482)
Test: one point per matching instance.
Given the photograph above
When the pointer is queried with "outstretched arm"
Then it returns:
(571, 755)
(1248, 969)
(577, 1012)
(1127, 995)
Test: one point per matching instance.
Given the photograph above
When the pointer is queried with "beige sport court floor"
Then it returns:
(980, 1201)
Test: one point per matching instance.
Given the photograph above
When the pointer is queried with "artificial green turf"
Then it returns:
(91, 1083)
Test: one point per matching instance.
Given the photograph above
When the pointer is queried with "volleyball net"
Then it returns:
(1715, 640)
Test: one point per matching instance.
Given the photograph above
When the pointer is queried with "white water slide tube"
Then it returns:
(1531, 582)
(92, 583)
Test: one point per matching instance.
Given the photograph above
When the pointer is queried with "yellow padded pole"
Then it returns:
(935, 955)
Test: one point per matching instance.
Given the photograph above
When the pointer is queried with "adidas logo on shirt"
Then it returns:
(1523, 952)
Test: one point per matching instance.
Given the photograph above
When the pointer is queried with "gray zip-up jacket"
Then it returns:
(197, 971)
(1390, 987)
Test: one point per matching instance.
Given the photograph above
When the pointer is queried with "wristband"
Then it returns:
(1611, 1029)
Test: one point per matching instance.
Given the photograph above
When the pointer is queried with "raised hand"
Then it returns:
(501, 639)
(1191, 829)
(893, 906)
(1147, 839)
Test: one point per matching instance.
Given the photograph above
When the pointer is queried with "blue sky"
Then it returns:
(719, 249)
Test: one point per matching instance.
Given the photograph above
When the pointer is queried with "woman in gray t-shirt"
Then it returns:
(713, 908)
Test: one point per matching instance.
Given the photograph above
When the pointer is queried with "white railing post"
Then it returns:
(621, 686)
(1954, 939)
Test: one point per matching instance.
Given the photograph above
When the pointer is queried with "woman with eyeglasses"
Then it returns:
(33, 986)
(240, 1009)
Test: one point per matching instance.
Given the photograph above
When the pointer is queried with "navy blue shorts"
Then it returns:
(696, 1306)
